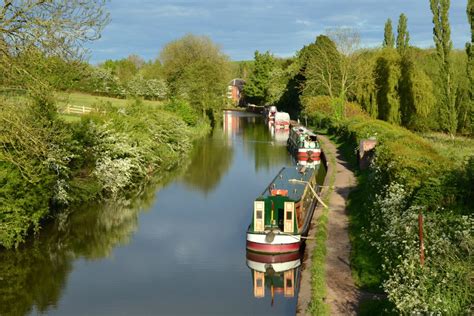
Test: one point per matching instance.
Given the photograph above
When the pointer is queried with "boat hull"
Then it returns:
(256, 242)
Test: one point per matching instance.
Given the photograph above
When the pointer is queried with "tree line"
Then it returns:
(420, 89)
(49, 165)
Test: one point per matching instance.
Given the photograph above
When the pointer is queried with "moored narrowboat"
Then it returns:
(283, 212)
(282, 120)
(303, 145)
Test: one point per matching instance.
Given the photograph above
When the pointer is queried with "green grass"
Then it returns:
(83, 99)
(70, 118)
(318, 306)
(455, 148)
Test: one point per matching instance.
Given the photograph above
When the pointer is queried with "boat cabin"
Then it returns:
(282, 206)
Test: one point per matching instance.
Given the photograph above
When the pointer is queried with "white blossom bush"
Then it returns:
(440, 286)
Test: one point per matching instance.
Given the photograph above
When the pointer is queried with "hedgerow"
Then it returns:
(407, 177)
(48, 165)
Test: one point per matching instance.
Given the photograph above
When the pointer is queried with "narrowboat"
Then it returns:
(270, 112)
(282, 120)
(277, 273)
(303, 145)
(283, 212)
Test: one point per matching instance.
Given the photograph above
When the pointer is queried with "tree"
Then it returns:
(470, 64)
(322, 71)
(256, 87)
(403, 37)
(442, 39)
(197, 71)
(389, 39)
(351, 67)
(124, 69)
(416, 93)
(387, 74)
(52, 28)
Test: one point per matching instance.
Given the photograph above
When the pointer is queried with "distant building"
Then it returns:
(234, 91)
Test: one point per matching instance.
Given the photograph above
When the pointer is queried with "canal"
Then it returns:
(178, 249)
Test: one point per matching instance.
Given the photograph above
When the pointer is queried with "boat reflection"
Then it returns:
(280, 135)
(274, 275)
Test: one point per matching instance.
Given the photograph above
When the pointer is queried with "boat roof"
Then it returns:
(281, 181)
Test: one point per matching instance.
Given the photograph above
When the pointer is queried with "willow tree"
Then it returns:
(197, 71)
(388, 39)
(444, 46)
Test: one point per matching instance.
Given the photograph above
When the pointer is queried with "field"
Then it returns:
(456, 148)
(88, 100)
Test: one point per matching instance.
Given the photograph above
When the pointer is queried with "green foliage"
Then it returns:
(124, 69)
(388, 38)
(365, 91)
(323, 69)
(442, 39)
(196, 71)
(407, 176)
(387, 75)
(48, 165)
(416, 94)
(403, 37)
(257, 85)
(183, 109)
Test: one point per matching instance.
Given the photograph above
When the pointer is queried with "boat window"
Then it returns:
(259, 214)
(289, 283)
(289, 215)
(259, 283)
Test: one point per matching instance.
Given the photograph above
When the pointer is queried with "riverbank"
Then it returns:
(49, 165)
(408, 177)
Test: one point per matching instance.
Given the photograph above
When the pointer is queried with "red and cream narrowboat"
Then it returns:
(282, 214)
(304, 146)
(282, 120)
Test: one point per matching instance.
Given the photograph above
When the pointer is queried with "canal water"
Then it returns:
(177, 249)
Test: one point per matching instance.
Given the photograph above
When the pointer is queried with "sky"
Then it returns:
(144, 27)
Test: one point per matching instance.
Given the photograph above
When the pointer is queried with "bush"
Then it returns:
(47, 165)
(184, 110)
(408, 175)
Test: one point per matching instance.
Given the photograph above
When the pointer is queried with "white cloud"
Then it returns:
(303, 22)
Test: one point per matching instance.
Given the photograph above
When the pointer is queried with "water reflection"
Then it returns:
(274, 275)
(210, 160)
(184, 256)
(35, 275)
(266, 147)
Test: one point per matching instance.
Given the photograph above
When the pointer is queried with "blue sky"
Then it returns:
(143, 27)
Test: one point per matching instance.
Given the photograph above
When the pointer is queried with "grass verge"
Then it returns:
(318, 306)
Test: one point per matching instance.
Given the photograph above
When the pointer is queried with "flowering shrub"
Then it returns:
(409, 176)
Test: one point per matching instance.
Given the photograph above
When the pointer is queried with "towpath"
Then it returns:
(342, 294)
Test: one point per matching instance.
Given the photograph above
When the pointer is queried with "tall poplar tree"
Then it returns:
(444, 46)
(470, 59)
(403, 37)
(389, 38)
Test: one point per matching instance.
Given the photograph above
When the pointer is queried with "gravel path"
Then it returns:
(342, 294)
